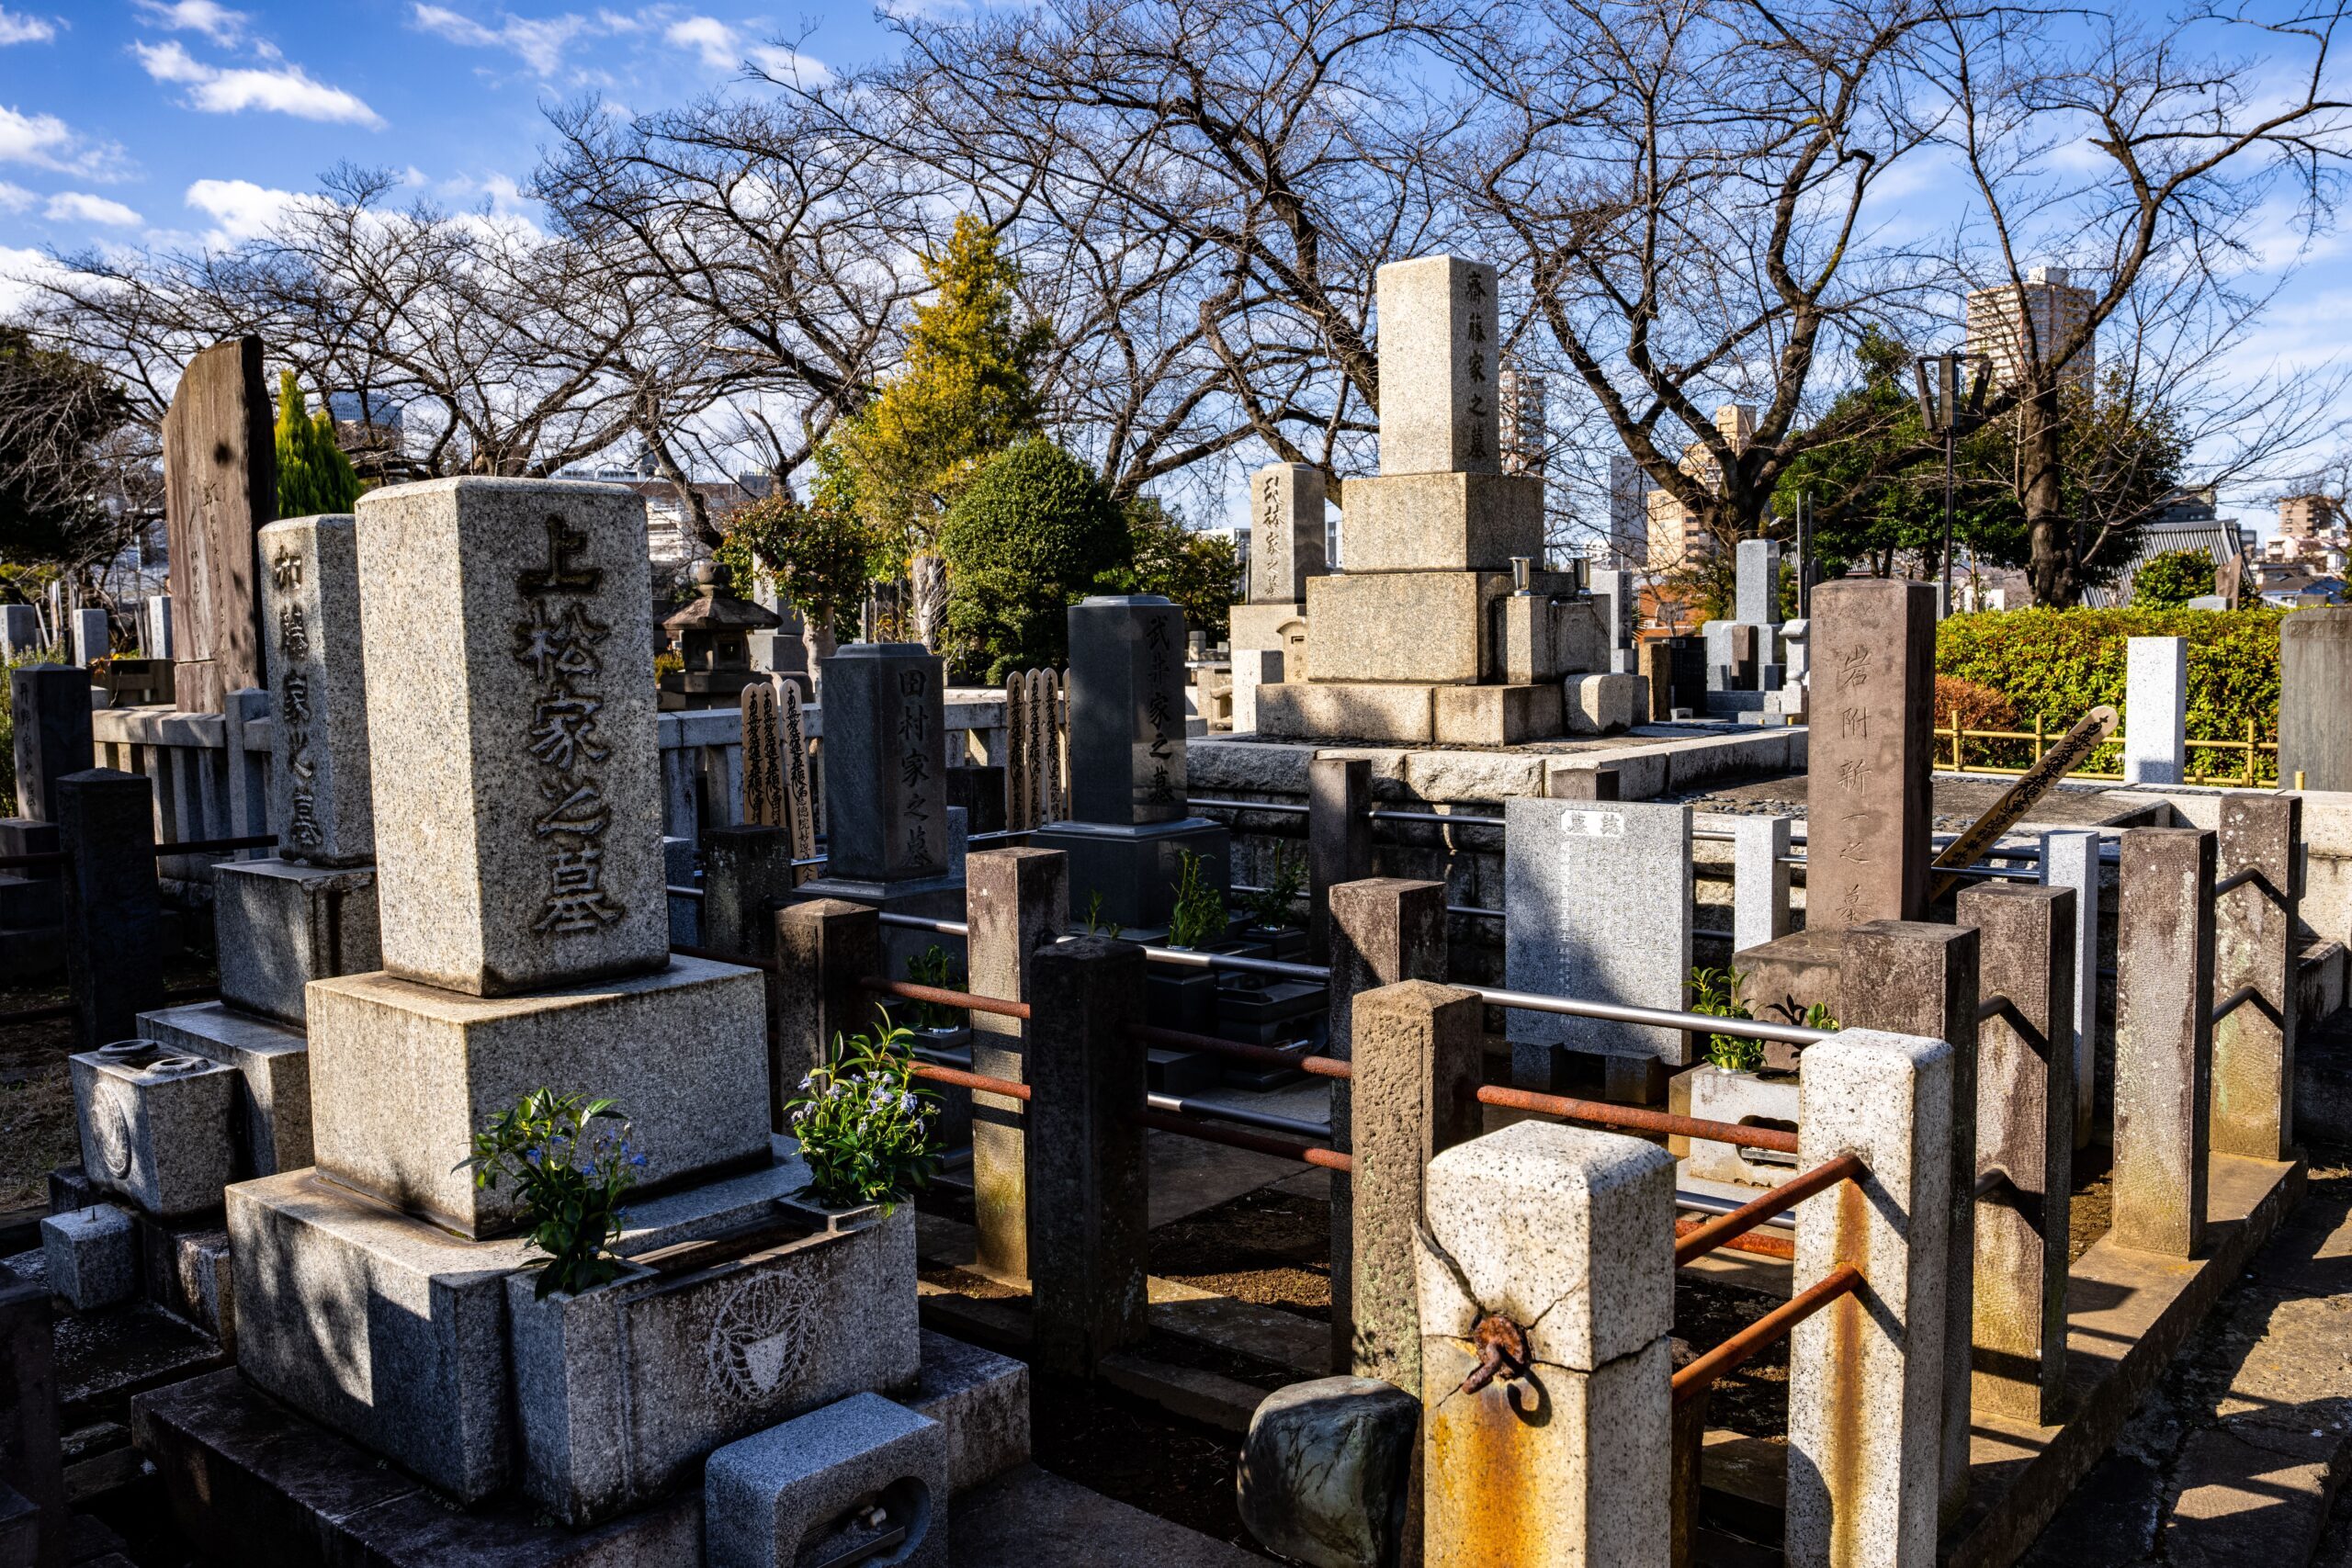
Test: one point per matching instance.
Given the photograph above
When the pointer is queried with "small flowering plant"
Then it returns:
(864, 1126)
(570, 1160)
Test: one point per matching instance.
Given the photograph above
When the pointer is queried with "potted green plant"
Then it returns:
(1271, 913)
(864, 1121)
(636, 1352)
(1731, 1083)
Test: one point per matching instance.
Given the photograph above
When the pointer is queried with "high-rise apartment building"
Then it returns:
(1526, 434)
(1676, 536)
(2048, 306)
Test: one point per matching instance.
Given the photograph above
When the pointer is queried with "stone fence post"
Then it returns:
(1383, 930)
(2025, 1138)
(747, 871)
(2070, 859)
(1866, 1373)
(1759, 887)
(113, 931)
(1087, 1078)
(1415, 1096)
(1923, 982)
(1015, 903)
(2254, 950)
(823, 948)
(2164, 1039)
(1338, 840)
(1561, 1240)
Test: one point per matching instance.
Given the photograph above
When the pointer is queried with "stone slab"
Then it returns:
(982, 1399)
(91, 1257)
(886, 763)
(2155, 710)
(1031, 1518)
(403, 1075)
(1604, 703)
(1434, 627)
(1351, 711)
(1289, 536)
(278, 925)
(155, 1126)
(270, 1111)
(2314, 670)
(52, 738)
(1136, 869)
(1443, 522)
(1441, 405)
(1868, 752)
(219, 487)
(797, 1492)
(319, 781)
(1600, 907)
(511, 661)
(1126, 710)
(1496, 715)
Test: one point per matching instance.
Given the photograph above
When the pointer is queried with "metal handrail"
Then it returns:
(917, 923)
(1269, 1055)
(1312, 1153)
(980, 1081)
(1723, 1228)
(1778, 1248)
(1765, 1332)
(1177, 1105)
(676, 891)
(1602, 1114)
(940, 995)
(1618, 1013)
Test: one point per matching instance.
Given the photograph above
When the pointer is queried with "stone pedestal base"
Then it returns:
(1136, 868)
(280, 925)
(394, 1332)
(270, 1111)
(1788, 975)
(403, 1075)
(1405, 714)
(932, 898)
(1278, 627)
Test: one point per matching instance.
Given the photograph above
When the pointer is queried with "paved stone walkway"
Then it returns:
(2238, 1456)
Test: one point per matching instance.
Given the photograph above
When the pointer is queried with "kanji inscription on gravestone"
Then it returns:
(1868, 755)
(560, 644)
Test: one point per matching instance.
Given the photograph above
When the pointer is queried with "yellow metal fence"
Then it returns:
(2248, 773)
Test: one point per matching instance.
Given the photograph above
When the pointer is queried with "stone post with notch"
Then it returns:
(2071, 859)
(1339, 839)
(1015, 901)
(2256, 952)
(2163, 1040)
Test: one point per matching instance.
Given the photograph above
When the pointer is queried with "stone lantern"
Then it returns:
(713, 635)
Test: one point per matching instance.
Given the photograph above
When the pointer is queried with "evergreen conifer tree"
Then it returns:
(313, 476)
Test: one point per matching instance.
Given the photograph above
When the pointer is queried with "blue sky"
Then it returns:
(174, 121)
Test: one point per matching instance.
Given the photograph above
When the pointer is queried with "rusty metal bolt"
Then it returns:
(1502, 1352)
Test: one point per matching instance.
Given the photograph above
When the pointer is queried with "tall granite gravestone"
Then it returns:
(887, 838)
(155, 625)
(509, 670)
(219, 487)
(1410, 641)
(52, 704)
(19, 630)
(1130, 817)
(1600, 907)
(90, 637)
(2314, 721)
(1289, 543)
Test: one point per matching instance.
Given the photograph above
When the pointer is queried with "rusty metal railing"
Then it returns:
(963, 1079)
(1724, 1229)
(940, 995)
(1265, 1055)
(1310, 1154)
(1634, 1118)
(1764, 1333)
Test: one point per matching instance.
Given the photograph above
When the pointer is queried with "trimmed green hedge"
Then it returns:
(2060, 664)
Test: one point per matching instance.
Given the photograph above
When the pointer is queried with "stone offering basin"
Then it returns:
(622, 1390)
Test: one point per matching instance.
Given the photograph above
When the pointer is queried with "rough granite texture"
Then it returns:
(1567, 1232)
(403, 1075)
(270, 1111)
(510, 667)
(280, 925)
(1360, 709)
(318, 784)
(2155, 709)
(2164, 1035)
(1496, 715)
(797, 1493)
(1288, 531)
(1326, 1470)
(621, 1389)
(1443, 521)
(1868, 752)
(1601, 908)
(2255, 944)
(1866, 1373)
(91, 1255)
(982, 1399)
(1440, 403)
(1422, 627)
(1016, 902)
(155, 1126)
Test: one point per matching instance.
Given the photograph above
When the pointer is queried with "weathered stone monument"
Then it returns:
(1441, 628)
(2315, 728)
(1289, 543)
(1130, 818)
(219, 488)
(51, 704)
(2155, 710)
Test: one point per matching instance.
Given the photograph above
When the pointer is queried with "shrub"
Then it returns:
(1715, 992)
(2056, 665)
(313, 476)
(1024, 543)
(864, 1126)
(1276, 904)
(1199, 917)
(2169, 580)
(570, 1160)
(1976, 707)
(934, 966)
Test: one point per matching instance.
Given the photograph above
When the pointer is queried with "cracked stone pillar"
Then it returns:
(1559, 1241)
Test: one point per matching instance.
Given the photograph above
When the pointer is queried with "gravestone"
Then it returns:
(1870, 752)
(219, 488)
(1602, 908)
(155, 626)
(89, 628)
(762, 804)
(51, 704)
(1288, 544)
(2315, 722)
(19, 630)
(2155, 710)
(800, 791)
(1437, 316)
(1130, 817)
(1615, 592)
(1757, 584)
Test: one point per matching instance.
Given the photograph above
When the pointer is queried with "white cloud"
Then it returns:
(17, 27)
(538, 41)
(15, 199)
(80, 207)
(20, 269)
(215, 21)
(48, 142)
(289, 90)
(723, 49)
(240, 209)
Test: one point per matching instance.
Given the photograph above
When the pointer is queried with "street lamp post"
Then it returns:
(1946, 414)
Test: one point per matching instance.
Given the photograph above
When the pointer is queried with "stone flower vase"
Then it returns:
(1767, 1096)
(621, 1389)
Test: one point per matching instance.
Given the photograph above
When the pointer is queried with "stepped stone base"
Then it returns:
(270, 1111)
(1136, 868)
(280, 925)
(1405, 714)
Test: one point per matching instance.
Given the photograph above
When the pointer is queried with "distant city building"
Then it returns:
(1675, 534)
(670, 540)
(2185, 520)
(1526, 434)
(1626, 546)
(2046, 304)
(2311, 534)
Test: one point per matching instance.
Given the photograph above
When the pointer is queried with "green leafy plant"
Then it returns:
(934, 966)
(1818, 1016)
(1715, 992)
(1276, 903)
(864, 1123)
(1199, 917)
(2168, 581)
(570, 1160)
(313, 476)
(1095, 924)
